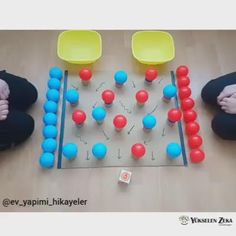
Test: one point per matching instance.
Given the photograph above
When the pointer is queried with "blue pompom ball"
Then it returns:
(53, 95)
(169, 91)
(49, 145)
(173, 150)
(120, 77)
(149, 122)
(99, 150)
(72, 96)
(55, 72)
(54, 83)
(50, 106)
(47, 160)
(70, 151)
(99, 113)
(50, 131)
(50, 119)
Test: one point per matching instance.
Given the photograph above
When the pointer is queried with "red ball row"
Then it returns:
(192, 127)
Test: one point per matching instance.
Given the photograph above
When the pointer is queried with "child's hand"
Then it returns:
(228, 105)
(3, 109)
(228, 91)
(4, 90)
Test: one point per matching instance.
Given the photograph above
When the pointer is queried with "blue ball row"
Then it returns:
(49, 144)
(99, 150)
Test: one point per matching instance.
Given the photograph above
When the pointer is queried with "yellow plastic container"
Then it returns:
(79, 46)
(153, 47)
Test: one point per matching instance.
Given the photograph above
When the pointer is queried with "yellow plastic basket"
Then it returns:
(79, 46)
(153, 47)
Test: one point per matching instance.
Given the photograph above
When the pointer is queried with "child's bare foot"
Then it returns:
(228, 91)
(228, 105)
(4, 90)
(3, 109)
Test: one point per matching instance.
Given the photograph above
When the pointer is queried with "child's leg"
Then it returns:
(224, 125)
(16, 128)
(22, 93)
(214, 87)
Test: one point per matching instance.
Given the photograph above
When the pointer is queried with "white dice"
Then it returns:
(125, 176)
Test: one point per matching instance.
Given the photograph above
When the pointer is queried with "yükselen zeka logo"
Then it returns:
(184, 220)
(221, 221)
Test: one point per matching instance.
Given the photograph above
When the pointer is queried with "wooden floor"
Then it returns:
(206, 187)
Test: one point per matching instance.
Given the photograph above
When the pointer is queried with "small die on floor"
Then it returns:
(125, 176)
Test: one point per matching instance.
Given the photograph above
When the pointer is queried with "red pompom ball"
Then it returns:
(189, 115)
(195, 141)
(108, 96)
(79, 117)
(142, 96)
(182, 71)
(183, 81)
(184, 92)
(174, 115)
(192, 128)
(151, 74)
(187, 104)
(120, 121)
(138, 150)
(85, 74)
(197, 156)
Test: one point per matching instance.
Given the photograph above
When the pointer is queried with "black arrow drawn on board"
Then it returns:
(81, 139)
(87, 155)
(134, 85)
(153, 156)
(129, 131)
(105, 135)
(147, 141)
(124, 107)
(163, 132)
(100, 85)
(75, 87)
(154, 109)
(94, 105)
(119, 156)
(160, 81)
